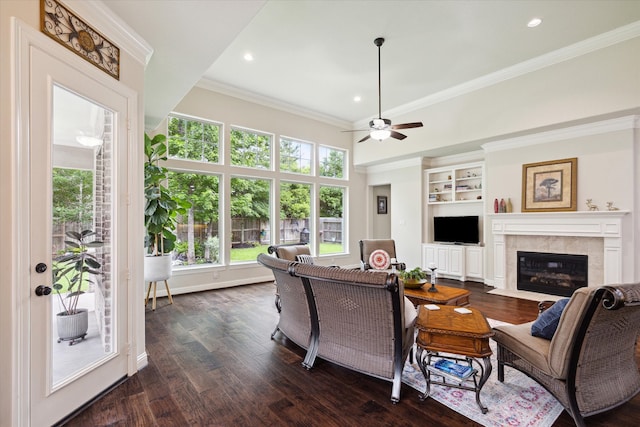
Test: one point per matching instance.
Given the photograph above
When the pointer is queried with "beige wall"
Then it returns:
(206, 104)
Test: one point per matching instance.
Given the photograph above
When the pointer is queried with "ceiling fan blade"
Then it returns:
(355, 130)
(407, 125)
(365, 138)
(397, 135)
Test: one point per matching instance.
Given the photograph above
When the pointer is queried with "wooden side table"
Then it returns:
(446, 295)
(463, 338)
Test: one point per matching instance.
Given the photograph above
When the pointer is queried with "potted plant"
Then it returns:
(413, 279)
(71, 272)
(161, 211)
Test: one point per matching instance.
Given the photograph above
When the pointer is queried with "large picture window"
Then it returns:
(295, 156)
(250, 212)
(295, 212)
(198, 239)
(332, 162)
(193, 140)
(332, 220)
(250, 149)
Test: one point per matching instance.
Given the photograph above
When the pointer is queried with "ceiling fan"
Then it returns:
(380, 128)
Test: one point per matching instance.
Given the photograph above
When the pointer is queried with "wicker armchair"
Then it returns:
(590, 363)
(292, 252)
(297, 321)
(369, 245)
(362, 323)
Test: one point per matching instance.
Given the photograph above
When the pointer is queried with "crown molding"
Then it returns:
(595, 128)
(583, 47)
(266, 101)
(113, 28)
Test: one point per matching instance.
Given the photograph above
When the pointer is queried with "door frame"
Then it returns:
(25, 38)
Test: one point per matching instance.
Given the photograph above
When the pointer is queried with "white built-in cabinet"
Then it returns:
(451, 191)
(461, 262)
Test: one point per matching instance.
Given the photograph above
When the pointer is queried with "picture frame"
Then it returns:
(550, 186)
(381, 202)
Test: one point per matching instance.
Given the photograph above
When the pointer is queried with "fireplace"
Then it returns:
(550, 273)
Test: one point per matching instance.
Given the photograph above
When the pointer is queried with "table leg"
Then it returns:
(485, 372)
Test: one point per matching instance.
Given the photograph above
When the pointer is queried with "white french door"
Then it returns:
(77, 181)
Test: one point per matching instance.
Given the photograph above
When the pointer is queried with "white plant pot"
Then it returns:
(72, 327)
(157, 268)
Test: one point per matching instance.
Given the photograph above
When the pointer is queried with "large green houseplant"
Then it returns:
(72, 271)
(161, 210)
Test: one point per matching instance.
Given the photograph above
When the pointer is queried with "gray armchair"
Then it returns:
(590, 363)
(367, 246)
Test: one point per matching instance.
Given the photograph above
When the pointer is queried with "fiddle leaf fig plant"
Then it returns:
(162, 207)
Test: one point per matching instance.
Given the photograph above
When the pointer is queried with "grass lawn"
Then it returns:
(250, 254)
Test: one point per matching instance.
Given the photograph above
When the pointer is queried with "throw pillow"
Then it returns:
(547, 322)
(379, 259)
(304, 259)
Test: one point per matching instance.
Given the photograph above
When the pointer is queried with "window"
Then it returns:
(332, 220)
(250, 149)
(331, 162)
(295, 156)
(295, 212)
(198, 239)
(250, 213)
(193, 140)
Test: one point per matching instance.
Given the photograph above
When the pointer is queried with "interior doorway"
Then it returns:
(381, 222)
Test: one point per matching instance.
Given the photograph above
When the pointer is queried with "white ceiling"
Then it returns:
(316, 56)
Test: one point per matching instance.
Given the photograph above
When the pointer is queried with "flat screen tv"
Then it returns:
(456, 229)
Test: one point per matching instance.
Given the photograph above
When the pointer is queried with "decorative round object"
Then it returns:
(414, 283)
(379, 259)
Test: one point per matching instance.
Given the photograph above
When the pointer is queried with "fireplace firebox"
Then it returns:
(549, 273)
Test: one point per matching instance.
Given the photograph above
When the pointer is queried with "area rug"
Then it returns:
(518, 401)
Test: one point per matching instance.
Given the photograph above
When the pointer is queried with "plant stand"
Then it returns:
(154, 284)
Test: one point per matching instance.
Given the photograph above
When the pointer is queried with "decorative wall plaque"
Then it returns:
(63, 26)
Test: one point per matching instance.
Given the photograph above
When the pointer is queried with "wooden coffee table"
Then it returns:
(461, 338)
(446, 295)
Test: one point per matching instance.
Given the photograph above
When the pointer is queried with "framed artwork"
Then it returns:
(63, 26)
(382, 204)
(550, 186)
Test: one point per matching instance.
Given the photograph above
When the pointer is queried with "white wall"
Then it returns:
(607, 153)
(206, 104)
(405, 205)
(381, 223)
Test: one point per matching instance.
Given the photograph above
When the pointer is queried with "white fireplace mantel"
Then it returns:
(603, 224)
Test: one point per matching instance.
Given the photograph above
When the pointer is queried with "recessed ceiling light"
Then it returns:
(357, 99)
(248, 57)
(534, 22)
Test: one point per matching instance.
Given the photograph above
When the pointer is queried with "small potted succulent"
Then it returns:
(413, 279)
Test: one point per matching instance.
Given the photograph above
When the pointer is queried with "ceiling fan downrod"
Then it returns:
(378, 42)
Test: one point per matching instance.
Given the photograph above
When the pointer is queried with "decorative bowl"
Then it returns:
(413, 283)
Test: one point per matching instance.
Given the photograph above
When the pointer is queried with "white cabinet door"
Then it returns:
(456, 261)
(474, 262)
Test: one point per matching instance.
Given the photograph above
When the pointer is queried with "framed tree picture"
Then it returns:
(550, 186)
(382, 204)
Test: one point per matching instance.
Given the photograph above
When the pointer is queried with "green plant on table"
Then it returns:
(416, 274)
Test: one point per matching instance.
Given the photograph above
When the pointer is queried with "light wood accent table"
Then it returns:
(446, 295)
(466, 335)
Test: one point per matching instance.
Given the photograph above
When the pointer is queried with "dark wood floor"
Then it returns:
(211, 362)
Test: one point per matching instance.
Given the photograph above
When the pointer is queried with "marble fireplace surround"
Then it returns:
(593, 233)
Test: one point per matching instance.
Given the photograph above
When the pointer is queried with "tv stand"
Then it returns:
(456, 261)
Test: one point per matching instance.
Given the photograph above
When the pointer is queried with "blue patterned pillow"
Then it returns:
(547, 323)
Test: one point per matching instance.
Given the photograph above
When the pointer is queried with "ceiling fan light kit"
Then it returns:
(379, 128)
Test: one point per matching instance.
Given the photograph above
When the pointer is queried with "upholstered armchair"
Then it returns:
(589, 364)
(368, 246)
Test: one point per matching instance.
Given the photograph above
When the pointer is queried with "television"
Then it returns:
(456, 229)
